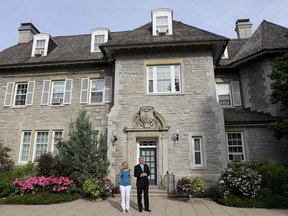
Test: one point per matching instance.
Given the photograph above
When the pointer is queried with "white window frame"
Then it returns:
(47, 92)
(243, 155)
(44, 49)
(54, 150)
(155, 80)
(194, 138)
(54, 94)
(234, 93)
(86, 85)
(163, 12)
(228, 94)
(37, 144)
(11, 93)
(22, 147)
(98, 32)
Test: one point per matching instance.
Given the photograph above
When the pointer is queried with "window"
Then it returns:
(224, 94)
(58, 88)
(162, 22)
(57, 136)
(41, 144)
(21, 93)
(228, 94)
(25, 147)
(98, 37)
(61, 92)
(235, 146)
(197, 151)
(163, 79)
(96, 90)
(40, 45)
(38, 142)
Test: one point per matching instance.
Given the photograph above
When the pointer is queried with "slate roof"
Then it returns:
(73, 48)
(76, 48)
(183, 34)
(268, 37)
(246, 116)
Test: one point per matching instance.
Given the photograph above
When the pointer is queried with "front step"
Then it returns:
(154, 191)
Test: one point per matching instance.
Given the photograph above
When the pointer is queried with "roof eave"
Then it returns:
(48, 64)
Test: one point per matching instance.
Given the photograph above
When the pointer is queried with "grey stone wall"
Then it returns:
(36, 117)
(194, 110)
(256, 87)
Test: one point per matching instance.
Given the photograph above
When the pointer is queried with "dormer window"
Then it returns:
(162, 22)
(40, 45)
(98, 37)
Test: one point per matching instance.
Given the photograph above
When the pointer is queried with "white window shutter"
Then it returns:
(84, 90)
(236, 94)
(9, 94)
(108, 89)
(45, 92)
(30, 93)
(68, 91)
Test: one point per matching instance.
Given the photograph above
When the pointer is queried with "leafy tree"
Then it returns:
(280, 94)
(87, 152)
(6, 163)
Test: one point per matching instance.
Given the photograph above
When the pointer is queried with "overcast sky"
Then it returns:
(76, 17)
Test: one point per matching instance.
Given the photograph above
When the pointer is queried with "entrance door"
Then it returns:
(149, 155)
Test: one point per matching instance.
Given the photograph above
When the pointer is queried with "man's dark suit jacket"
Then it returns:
(141, 181)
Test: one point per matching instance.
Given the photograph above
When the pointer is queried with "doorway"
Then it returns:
(148, 151)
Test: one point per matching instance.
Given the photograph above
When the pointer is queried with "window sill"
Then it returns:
(165, 94)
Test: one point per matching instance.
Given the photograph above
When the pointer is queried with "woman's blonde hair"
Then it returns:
(125, 164)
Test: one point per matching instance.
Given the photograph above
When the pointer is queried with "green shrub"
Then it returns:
(41, 198)
(259, 202)
(190, 186)
(6, 179)
(6, 164)
(45, 165)
(275, 177)
(239, 180)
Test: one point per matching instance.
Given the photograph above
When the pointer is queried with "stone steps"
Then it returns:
(154, 191)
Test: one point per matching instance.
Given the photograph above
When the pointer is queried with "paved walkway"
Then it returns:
(159, 206)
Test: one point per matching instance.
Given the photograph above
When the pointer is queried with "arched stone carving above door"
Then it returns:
(148, 118)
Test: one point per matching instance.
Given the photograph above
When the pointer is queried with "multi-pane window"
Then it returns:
(99, 39)
(58, 88)
(57, 136)
(162, 24)
(40, 47)
(25, 146)
(56, 92)
(224, 94)
(197, 151)
(96, 90)
(235, 146)
(21, 93)
(228, 94)
(41, 144)
(163, 79)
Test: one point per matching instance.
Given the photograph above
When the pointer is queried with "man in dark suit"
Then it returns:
(141, 172)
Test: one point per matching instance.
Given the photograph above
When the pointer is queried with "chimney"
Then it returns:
(243, 28)
(26, 32)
